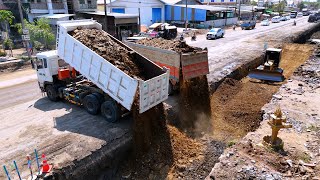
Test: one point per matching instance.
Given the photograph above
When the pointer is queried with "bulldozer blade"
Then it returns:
(275, 76)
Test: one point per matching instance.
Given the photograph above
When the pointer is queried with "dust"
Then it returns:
(194, 106)
(109, 49)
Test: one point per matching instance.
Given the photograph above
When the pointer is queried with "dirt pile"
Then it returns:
(249, 161)
(171, 151)
(101, 43)
(183, 147)
(173, 45)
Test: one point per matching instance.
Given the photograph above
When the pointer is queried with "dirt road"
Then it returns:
(64, 132)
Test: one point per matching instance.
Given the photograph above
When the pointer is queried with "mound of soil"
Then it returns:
(170, 151)
(173, 45)
(101, 43)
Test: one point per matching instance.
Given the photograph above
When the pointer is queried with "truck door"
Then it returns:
(43, 71)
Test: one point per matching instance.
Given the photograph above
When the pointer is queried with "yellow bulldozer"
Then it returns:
(270, 70)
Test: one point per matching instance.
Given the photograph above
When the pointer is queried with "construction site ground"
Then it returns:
(74, 140)
(299, 100)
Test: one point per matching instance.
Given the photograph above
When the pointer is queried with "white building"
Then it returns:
(47, 8)
(151, 11)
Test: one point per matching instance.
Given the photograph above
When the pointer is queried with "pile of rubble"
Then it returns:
(101, 43)
(173, 45)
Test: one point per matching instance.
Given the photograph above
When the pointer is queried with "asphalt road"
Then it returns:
(238, 34)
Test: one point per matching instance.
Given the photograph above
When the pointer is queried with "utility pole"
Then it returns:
(110, 6)
(139, 17)
(23, 27)
(186, 15)
(239, 10)
(105, 16)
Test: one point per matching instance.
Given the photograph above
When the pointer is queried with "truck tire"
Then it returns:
(99, 96)
(52, 93)
(110, 111)
(91, 104)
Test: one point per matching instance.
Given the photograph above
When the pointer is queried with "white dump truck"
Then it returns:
(79, 75)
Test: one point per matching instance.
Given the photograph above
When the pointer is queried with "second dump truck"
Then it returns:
(79, 75)
(183, 66)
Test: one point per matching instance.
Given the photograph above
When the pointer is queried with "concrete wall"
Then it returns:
(132, 8)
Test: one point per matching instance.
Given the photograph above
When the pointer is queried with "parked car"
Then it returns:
(288, 17)
(265, 22)
(283, 18)
(276, 19)
(293, 14)
(314, 17)
(248, 24)
(215, 33)
(299, 14)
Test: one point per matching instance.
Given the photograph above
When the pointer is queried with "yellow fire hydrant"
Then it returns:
(276, 123)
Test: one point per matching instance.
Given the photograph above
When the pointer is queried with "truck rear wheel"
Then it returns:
(110, 111)
(91, 104)
(52, 93)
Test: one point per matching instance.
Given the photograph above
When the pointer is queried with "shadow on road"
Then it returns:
(72, 118)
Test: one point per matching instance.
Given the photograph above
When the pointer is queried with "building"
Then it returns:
(79, 6)
(119, 25)
(54, 10)
(200, 16)
(151, 11)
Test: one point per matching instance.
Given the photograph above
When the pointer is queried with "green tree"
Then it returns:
(280, 6)
(6, 17)
(39, 31)
(301, 5)
(254, 3)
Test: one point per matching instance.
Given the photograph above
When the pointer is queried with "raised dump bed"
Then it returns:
(183, 61)
(119, 84)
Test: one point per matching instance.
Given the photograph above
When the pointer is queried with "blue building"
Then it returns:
(199, 15)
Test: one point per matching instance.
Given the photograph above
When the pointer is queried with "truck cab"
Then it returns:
(47, 67)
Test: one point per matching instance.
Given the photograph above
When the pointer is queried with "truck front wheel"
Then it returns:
(110, 111)
(91, 104)
(52, 93)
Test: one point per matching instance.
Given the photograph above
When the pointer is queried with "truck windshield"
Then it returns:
(39, 63)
